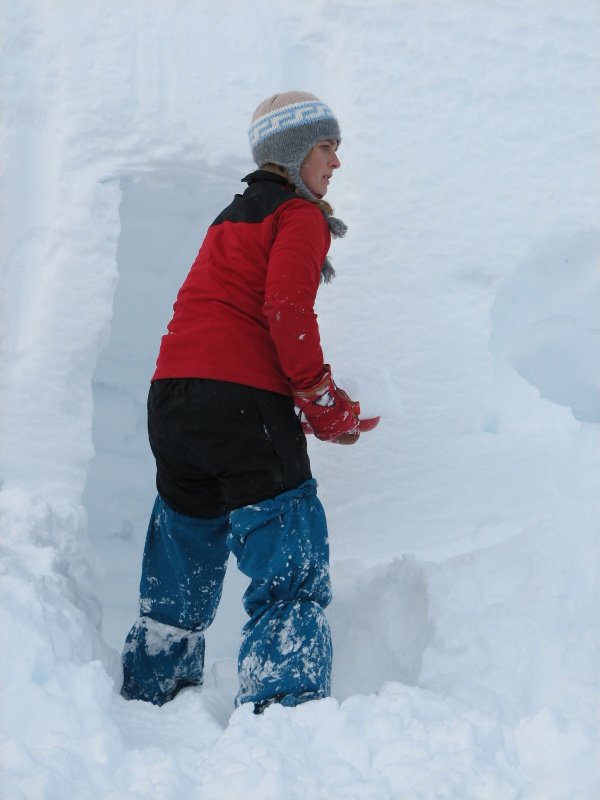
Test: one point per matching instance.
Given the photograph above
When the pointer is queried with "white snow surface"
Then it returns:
(463, 530)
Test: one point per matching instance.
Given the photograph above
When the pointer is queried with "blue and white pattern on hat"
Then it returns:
(281, 119)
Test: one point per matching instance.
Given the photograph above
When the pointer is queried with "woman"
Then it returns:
(233, 472)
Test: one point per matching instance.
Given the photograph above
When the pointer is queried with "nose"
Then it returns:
(335, 161)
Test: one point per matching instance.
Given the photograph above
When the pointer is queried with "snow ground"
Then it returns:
(464, 530)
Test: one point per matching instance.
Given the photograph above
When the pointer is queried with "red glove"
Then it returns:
(329, 411)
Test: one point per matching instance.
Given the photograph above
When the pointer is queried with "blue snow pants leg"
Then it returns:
(183, 568)
(281, 545)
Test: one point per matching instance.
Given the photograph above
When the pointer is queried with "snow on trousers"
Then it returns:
(281, 545)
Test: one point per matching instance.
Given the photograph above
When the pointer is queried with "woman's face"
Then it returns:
(317, 168)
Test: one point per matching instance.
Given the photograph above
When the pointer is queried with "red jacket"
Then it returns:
(245, 312)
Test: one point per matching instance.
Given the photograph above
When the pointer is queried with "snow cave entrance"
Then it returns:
(164, 216)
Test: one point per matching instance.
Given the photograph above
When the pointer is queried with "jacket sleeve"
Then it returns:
(301, 244)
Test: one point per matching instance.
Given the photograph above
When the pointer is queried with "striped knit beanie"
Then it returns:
(284, 129)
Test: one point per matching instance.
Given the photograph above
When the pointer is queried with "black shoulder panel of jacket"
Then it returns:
(265, 193)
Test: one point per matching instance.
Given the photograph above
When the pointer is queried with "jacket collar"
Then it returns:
(266, 175)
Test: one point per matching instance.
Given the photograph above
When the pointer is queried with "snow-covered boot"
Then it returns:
(159, 660)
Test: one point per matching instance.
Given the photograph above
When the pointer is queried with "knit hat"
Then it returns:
(284, 129)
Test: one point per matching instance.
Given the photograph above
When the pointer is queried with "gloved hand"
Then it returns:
(331, 414)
